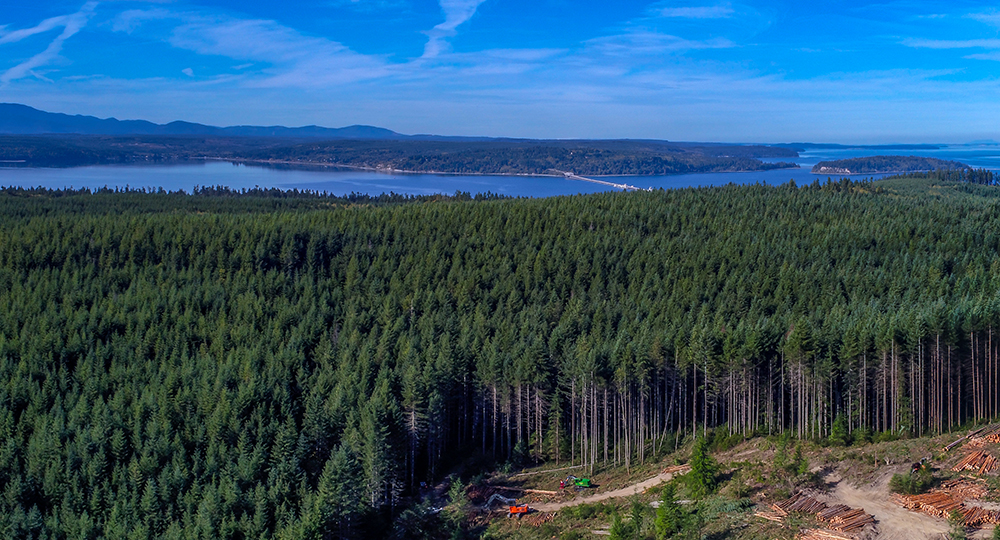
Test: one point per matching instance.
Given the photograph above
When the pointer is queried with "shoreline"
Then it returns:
(871, 172)
(386, 170)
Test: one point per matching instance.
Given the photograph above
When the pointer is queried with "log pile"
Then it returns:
(939, 505)
(845, 519)
(962, 489)
(677, 469)
(820, 534)
(987, 436)
(967, 437)
(976, 516)
(800, 502)
(770, 516)
(977, 461)
(840, 517)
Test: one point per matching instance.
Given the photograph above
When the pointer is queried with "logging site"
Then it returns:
(740, 362)
(764, 487)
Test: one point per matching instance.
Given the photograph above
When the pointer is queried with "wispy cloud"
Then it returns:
(368, 5)
(700, 12)
(456, 12)
(919, 43)
(71, 24)
(287, 57)
(644, 43)
(130, 20)
(991, 18)
(992, 56)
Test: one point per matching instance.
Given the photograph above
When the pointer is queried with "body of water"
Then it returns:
(341, 182)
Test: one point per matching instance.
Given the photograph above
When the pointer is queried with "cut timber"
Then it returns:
(959, 441)
(941, 505)
(977, 461)
(846, 519)
(840, 517)
(962, 489)
(801, 502)
(676, 469)
(770, 516)
(820, 534)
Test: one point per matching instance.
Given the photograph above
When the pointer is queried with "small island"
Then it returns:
(885, 165)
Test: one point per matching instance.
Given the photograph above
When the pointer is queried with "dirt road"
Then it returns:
(894, 522)
(623, 492)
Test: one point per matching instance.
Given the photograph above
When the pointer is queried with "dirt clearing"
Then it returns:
(894, 522)
(597, 497)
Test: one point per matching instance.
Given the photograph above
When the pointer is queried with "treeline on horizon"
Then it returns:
(40, 200)
(296, 373)
(596, 158)
(461, 157)
(889, 164)
(983, 177)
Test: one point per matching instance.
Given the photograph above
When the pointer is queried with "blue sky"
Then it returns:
(760, 71)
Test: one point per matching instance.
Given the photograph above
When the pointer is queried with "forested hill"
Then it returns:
(192, 370)
(886, 164)
(533, 157)
(462, 157)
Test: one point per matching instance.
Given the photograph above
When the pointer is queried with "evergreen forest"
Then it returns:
(249, 365)
(489, 156)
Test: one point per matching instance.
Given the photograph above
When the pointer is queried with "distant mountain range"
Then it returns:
(16, 119)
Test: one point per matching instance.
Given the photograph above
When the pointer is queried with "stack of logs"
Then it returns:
(840, 517)
(951, 496)
(770, 516)
(820, 534)
(843, 518)
(933, 504)
(677, 469)
(989, 435)
(979, 462)
(963, 489)
(975, 516)
(800, 502)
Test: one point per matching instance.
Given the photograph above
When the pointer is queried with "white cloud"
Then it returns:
(287, 57)
(993, 56)
(188, 71)
(71, 24)
(992, 18)
(918, 43)
(701, 12)
(128, 21)
(456, 12)
(641, 42)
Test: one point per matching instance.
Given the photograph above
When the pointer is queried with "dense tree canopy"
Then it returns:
(257, 367)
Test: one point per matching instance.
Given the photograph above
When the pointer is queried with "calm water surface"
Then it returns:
(341, 182)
